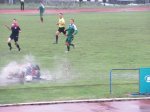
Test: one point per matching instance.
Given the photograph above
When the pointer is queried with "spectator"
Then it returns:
(104, 2)
(22, 4)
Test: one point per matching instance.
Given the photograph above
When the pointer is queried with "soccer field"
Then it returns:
(104, 41)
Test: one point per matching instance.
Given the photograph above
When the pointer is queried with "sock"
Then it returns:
(17, 45)
(56, 38)
(9, 44)
(68, 48)
(72, 45)
(42, 19)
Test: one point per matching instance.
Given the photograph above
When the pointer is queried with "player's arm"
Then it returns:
(66, 29)
(75, 30)
(7, 27)
(57, 23)
(61, 23)
(19, 29)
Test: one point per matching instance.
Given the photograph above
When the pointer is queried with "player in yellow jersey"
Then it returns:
(61, 27)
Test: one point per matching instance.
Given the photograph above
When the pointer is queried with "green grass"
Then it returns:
(104, 41)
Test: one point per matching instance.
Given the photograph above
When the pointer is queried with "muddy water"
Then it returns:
(120, 106)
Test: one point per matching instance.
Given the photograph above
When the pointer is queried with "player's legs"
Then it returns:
(9, 43)
(41, 19)
(16, 43)
(71, 44)
(60, 30)
(23, 5)
(41, 16)
(64, 32)
(20, 6)
(57, 34)
(68, 42)
(68, 46)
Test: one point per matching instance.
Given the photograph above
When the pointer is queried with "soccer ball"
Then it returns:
(28, 78)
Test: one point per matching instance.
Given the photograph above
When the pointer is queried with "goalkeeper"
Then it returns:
(71, 31)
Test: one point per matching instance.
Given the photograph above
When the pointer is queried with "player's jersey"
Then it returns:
(61, 23)
(15, 30)
(42, 8)
(72, 29)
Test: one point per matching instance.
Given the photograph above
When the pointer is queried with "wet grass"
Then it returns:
(104, 41)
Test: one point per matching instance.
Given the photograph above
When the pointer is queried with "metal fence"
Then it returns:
(124, 78)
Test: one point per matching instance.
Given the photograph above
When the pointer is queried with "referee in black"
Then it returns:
(14, 35)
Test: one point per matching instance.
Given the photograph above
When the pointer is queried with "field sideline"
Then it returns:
(105, 41)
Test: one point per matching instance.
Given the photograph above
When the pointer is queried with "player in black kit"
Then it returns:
(14, 35)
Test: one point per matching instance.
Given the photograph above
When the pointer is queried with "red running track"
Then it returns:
(116, 106)
(54, 11)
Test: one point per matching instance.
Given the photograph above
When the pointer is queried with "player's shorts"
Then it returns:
(14, 37)
(42, 13)
(62, 30)
(69, 39)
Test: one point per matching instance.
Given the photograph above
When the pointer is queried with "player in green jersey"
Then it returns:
(71, 31)
(41, 9)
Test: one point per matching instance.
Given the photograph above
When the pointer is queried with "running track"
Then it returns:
(117, 106)
(54, 11)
